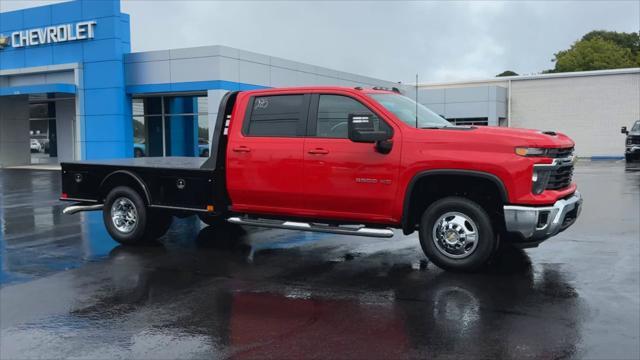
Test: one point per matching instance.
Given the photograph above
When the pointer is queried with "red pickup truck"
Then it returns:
(349, 161)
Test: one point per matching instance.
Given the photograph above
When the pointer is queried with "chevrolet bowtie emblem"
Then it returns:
(4, 42)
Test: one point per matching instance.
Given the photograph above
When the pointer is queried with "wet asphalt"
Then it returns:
(67, 290)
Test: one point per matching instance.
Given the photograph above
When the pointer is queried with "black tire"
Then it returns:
(139, 233)
(443, 258)
(212, 220)
(627, 158)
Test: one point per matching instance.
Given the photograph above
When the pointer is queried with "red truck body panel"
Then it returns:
(311, 177)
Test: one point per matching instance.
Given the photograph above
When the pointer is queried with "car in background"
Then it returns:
(139, 147)
(35, 145)
(203, 147)
(632, 143)
(43, 141)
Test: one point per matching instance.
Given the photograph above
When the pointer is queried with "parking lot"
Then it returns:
(69, 291)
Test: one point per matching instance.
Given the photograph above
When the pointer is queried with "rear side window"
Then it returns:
(333, 116)
(280, 115)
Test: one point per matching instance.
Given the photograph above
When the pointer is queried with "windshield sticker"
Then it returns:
(261, 103)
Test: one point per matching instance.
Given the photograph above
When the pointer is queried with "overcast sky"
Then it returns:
(439, 40)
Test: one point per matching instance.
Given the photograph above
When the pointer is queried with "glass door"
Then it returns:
(43, 139)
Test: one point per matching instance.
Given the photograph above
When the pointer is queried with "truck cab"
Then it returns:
(351, 161)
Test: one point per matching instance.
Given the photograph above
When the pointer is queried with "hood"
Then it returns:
(524, 137)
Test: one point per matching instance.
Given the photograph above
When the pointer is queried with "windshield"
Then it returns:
(636, 126)
(405, 109)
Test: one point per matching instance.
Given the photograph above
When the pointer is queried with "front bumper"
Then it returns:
(633, 149)
(535, 224)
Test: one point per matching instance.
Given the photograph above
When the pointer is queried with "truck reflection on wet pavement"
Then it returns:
(68, 290)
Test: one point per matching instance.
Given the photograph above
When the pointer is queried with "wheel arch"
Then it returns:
(124, 178)
(408, 223)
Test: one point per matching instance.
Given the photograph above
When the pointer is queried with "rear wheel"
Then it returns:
(456, 234)
(125, 216)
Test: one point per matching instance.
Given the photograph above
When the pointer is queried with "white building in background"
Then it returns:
(589, 106)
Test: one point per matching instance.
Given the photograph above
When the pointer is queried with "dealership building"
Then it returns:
(589, 106)
(71, 89)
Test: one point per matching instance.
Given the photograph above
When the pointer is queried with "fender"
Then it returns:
(420, 175)
(134, 177)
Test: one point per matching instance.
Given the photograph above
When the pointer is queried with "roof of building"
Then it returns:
(537, 77)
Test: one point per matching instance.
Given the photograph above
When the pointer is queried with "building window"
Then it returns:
(170, 126)
(469, 121)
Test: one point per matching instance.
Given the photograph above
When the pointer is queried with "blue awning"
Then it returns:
(38, 89)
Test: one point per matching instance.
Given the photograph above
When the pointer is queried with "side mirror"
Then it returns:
(624, 130)
(361, 129)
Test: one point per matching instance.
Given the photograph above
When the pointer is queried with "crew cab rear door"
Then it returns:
(264, 153)
(344, 179)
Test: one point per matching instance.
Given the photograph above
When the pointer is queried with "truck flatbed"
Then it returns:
(175, 183)
(173, 162)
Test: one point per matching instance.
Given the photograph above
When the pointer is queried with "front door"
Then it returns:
(264, 156)
(344, 179)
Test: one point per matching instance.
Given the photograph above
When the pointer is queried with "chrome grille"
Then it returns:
(560, 153)
(561, 176)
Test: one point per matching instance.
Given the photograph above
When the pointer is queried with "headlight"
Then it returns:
(539, 179)
(527, 151)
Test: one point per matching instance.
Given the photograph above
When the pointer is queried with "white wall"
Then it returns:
(14, 131)
(225, 63)
(590, 109)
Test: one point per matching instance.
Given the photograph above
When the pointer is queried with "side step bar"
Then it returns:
(292, 225)
(78, 208)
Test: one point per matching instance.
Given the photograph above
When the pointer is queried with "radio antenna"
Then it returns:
(416, 100)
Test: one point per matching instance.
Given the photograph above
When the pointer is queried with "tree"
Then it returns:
(629, 41)
(595, 53)
(507, 73)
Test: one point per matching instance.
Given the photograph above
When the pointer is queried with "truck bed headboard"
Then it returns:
(219, 139)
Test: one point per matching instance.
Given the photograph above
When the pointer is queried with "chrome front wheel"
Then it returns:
(124, 215)
(455, 235)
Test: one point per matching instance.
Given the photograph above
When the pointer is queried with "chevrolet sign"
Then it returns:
(50, 34)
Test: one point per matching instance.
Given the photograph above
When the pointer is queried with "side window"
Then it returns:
(279, 115)
(333, 116)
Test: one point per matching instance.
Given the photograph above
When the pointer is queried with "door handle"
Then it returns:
(318, 151)
(243, 149)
